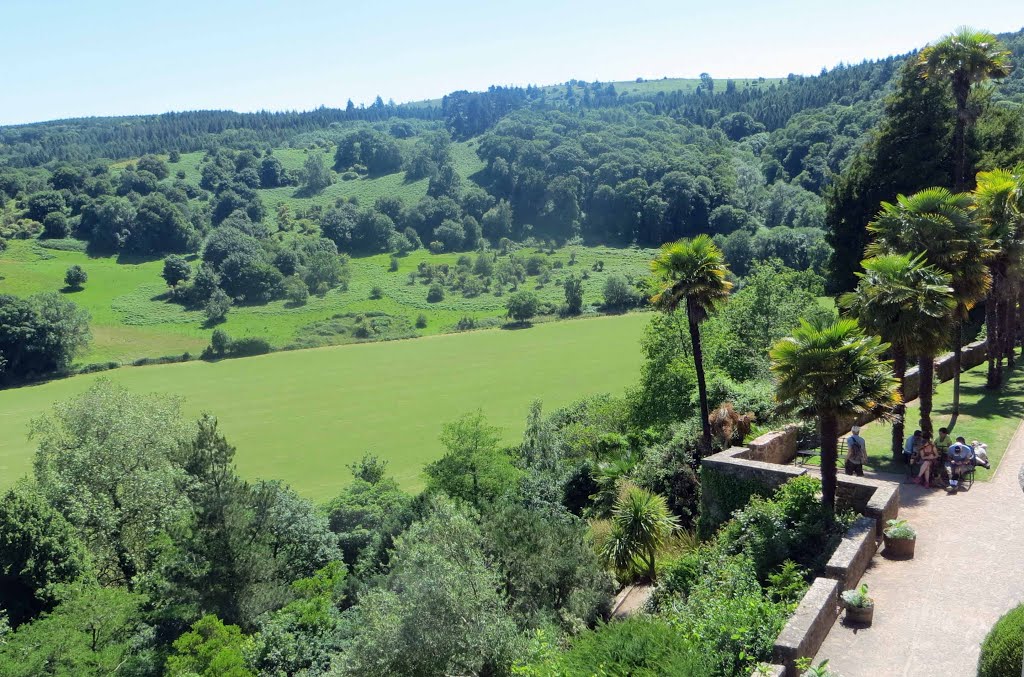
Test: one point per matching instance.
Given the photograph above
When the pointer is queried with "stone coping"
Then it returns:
(809, 625)
(853, 554)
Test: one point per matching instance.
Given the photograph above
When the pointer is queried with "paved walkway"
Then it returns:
(932, 612)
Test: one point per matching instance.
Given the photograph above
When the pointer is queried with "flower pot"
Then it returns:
(899, 548)
(861, 615)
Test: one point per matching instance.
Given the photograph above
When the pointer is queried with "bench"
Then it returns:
(804, 454)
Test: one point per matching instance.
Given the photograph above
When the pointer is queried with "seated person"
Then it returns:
(943, 442)
(911, 447)
(929, 456)
(959, 459)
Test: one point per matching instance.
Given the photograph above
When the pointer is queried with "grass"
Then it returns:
(301, 416)
(130, 319)
(986, 416)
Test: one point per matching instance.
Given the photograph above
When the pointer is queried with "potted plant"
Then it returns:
(899, 538)
(859, 607)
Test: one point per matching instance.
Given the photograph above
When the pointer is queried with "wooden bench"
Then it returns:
(804, 454)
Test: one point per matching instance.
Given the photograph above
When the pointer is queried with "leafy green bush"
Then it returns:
(1002, 652)
(250, 345)
(792, 525)
(641, 646)
(729, 616)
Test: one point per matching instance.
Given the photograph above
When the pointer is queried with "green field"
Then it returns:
(301, 416)
(131, 320)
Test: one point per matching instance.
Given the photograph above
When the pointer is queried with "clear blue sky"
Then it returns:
(67, 58)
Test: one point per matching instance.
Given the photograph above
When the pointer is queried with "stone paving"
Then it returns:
(933, 611)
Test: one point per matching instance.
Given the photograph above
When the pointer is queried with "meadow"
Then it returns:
(302, 416)
(131, 319)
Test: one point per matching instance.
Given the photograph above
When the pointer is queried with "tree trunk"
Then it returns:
(960, 149)
(1009, 326)
(829, 451)
(652, 571)
(702, 388)
(899, 368)
(926, 369)
(991, 339)
(958, 341)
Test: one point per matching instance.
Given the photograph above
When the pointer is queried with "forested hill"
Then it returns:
(771, 103)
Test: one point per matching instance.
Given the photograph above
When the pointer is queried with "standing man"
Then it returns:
(856, 453)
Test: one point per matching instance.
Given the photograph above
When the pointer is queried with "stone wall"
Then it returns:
(809, 625)
(777, 446)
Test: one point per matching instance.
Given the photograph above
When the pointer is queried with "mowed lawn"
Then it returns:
(301, 416)
(988, 416)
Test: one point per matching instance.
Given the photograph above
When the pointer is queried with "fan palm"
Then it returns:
(999, 207)
(693, 272)
(964, 58)
(641, 523)
(908, 303)
(938, 223)
(831, 371)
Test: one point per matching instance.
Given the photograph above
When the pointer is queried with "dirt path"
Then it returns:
(932, 612)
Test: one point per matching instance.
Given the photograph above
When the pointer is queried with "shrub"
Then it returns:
(296, 291)
(393, 266)
(55, 225)
(220, 342)
(176, 270)
(792, 525)
(730, 617)
(642, 646)
(1002, 652)
(618, 293)
(435, 293)
(75, 277)
(421, 321)
(250, 345)
(376, 293)
(217, 306)
(522, 305)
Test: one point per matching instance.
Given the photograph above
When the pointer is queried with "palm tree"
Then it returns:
(999, 207)
(964, 58)
(641, 522)
(831, 370)
(938, 223)
(693, 272)
(908, 303)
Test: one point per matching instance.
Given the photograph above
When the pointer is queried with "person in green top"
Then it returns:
(943, 442)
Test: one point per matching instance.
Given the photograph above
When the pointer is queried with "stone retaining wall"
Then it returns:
(853, 555)
(809, 624)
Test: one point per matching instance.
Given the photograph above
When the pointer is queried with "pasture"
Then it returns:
(131, 319)
(302, 416)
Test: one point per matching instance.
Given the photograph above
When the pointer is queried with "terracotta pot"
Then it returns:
(861, 615)
(899, 548)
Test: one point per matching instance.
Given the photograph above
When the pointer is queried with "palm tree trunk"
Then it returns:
(958, 341)
(991, 341)
(899, 368)
(960, 149)
(829, 451)
(652, 571)
(926, 372)
(702, 388)
(1009, 326)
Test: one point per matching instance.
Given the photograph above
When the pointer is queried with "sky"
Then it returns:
(72, 58)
